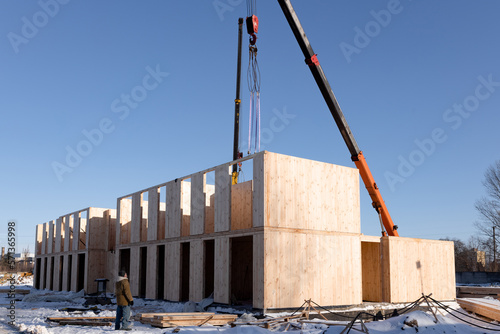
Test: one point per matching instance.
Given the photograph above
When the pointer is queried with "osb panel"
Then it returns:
(308, 194)
(241, 205)
(371, 268)
(323, 267)
(415, 266)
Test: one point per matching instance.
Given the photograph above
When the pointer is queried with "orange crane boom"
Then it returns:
(326, 90)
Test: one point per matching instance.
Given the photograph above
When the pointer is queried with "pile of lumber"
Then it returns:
(477, 292)
(484, 307)
(83, 321)
(275, 323)
(163, 320)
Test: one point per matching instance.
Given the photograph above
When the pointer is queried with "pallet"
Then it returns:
(484, 307)
(164, 320)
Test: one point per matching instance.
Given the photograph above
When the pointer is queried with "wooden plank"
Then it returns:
(222, 206)
(174, 214)
(198, 200)
(151, 275)
(483, 307)
(173, 270)
(241, 205)
(222, 271)
(79, 318)
(476, 290)
(153, 212)
(185, 319)
(196, 277)
(135, 232)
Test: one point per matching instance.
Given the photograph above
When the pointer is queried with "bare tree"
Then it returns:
(488, 206)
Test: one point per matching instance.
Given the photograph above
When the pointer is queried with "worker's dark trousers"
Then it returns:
(122, 317)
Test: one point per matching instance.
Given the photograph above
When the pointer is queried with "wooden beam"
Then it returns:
(173, 270)
(151, 274)
(134, 270)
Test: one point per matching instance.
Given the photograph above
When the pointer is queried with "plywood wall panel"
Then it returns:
(222, 271)
(324, 267)
(50, 239)
(307, 194)
(198, 203)
(135, 232)
(241, 205)
(222, 208)
(153, 213)
(371, 268)
(45, 236)
(134, 270)
(173, 270)
(151, 275)
(258, 198)
(38, 239)
(124, 218)
(174, 214)
(76, 230)
(258, 270)
(196, 278)
(416, 266)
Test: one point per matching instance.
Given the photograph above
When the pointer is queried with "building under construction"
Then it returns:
(288, 233)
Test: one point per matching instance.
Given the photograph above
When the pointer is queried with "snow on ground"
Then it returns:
(33, 309)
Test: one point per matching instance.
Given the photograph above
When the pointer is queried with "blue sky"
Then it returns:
(418, 82)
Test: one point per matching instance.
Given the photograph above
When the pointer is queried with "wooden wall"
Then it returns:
(371, 269)
(415, 266)
(325, 267)
(301, 193)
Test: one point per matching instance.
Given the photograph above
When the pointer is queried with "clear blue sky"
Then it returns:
(404, 73)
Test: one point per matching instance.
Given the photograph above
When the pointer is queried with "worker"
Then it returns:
(123, 301)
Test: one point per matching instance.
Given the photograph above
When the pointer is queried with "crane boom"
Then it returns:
(323, 85)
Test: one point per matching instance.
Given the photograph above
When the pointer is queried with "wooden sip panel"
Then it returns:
(411, 267)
